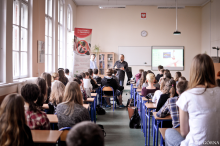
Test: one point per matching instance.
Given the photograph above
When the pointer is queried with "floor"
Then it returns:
(116, 125)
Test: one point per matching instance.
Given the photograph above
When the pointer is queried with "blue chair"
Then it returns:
(108, 88)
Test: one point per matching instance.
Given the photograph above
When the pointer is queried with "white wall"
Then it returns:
(122, 27)
(210, 27)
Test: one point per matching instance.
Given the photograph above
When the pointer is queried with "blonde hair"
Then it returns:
(72, 95)
(150, 78)
(57, 92)
(54, 75)
(202, 71)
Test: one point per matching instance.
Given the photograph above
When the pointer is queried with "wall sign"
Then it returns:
(143, 15)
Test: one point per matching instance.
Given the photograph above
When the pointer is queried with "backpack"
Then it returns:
(135, 120)
(130, 102)
(149, 96)
(100, 110)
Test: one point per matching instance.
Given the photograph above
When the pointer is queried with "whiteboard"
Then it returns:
(140, 56)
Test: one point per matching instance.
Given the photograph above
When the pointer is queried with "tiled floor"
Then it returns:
(117, 129)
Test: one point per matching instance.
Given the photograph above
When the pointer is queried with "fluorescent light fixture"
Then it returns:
(111, 6)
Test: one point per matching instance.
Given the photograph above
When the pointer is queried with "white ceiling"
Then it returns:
(141, 2)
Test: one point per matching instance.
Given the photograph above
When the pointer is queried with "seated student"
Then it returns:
(14, 131)
(71, 110)
(96, 77)
(182, 79)
(93, 82)
(156, 84)
(54, 77)
(142, 80)
(158, 93)
(47, 78)
(56, 96)
(85, 134)
(84, 95)
(170, 107)
(161, 70)
(166, 77)
(198, 107)
(62, 77)
(43, 92)
(36, 119)
(177, 76)
(114, 76)
(150, 88)
(67, 74)
(109, 81)
(87, 83)
(138, 76)
(166, 93)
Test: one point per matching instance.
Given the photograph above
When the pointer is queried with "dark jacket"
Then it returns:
(98, 79)
(162, 101)
(94, 84)
(121, 73)
(106, 81)
(158, 77)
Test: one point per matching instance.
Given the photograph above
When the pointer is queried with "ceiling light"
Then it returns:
(176, 32)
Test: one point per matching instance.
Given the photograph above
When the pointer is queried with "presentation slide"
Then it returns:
(172, 59)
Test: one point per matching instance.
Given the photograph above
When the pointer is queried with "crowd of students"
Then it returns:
(193, 105)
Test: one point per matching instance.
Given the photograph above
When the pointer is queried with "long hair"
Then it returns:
(43, 91)
(62, 77)
(150, 78)
(53, 77)
(177, 76)
(72, 95)
(47, 78)
(57, 93)
(30, 93)
(168, 85)
(202, 71)
(143, 79)
(12, 119)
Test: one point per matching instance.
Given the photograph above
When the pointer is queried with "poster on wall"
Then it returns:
(41, 51)
(143, 15)
(82, 49)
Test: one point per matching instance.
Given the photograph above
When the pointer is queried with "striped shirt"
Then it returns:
(170, 108)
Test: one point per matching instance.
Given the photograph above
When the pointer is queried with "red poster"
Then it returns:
(143, 15)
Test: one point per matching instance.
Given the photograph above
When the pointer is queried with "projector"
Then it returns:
(216, 59)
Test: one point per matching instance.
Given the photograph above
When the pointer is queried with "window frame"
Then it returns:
(20, 27)
(61, 64)
(48, 17)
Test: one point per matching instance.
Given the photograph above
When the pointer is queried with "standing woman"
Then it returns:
(13, 128)
(47, 78)
(71, 110)
(62, 77)
(198, 107)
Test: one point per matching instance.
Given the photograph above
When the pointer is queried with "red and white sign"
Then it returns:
(143, 15)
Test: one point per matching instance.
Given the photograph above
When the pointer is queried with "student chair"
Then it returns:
(108, 88)
(63, 136)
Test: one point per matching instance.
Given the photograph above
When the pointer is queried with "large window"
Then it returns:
(20, 38)
(60, 34)
(48, 36)
(69, 16)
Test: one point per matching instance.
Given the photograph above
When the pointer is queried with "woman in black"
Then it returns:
(13, 122)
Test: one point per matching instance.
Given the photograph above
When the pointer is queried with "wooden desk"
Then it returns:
(163, 130)
(139, 90)
(151, 105)
(45, 106)
(93, 94)
(86, 106)
(52, 118)
(145, 99)
(90, 100)
(135, 87)
(45, 136)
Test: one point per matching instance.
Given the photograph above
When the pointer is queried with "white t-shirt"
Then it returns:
(70, 79)
(157, 96)
(204, 115)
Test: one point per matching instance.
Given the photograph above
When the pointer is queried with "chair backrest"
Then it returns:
(64, 134)
(107, 89)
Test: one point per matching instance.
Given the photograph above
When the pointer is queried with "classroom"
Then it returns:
(109, 72)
